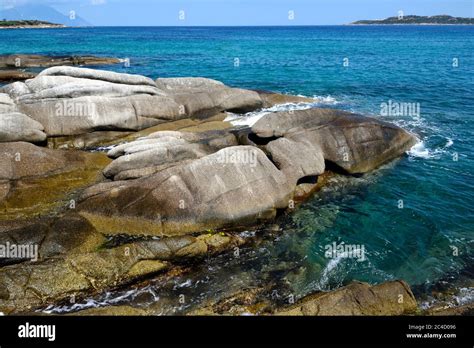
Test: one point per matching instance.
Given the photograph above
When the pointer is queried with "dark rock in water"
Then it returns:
(35, 60)
(15, 75)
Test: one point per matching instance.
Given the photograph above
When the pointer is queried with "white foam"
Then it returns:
(109, 299)
(449, 143)
(419, 150)
(250, 118)
(462, 297)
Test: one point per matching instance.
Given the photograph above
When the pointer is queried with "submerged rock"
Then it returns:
(36, 60)
(15, 75)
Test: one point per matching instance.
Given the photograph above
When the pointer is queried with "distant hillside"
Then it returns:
(442, 19)
(41, 13)
(29, 24)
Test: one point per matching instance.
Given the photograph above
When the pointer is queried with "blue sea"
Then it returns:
(413, 217)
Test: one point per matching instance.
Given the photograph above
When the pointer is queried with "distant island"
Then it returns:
(21, 24)
(419, 20)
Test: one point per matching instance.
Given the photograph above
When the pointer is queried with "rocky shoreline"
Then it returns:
(168, 182)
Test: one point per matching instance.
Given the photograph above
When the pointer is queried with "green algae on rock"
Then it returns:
(35, 180)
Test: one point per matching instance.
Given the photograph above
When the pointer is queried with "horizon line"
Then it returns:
(259, 25)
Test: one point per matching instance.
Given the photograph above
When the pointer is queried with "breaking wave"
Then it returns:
(251, 118)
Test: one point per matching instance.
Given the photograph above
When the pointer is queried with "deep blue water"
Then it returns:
(409, 64)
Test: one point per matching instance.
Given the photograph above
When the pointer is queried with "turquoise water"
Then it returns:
(409, 64)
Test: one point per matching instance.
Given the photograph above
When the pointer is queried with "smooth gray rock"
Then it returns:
(235, 185)
(15, 126)
(161, 150)
(102, 75)
(72, 101)
(355, 143)
(204, 97)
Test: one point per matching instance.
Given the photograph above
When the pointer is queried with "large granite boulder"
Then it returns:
(236, 185)
(161, 150)
(203, 97)
(69, 100)
(15, 126)
(72, 101)
(303, 142)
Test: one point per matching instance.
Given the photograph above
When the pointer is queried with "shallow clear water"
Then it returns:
(402, 64)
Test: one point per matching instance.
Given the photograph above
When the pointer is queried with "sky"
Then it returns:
(245, 12)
